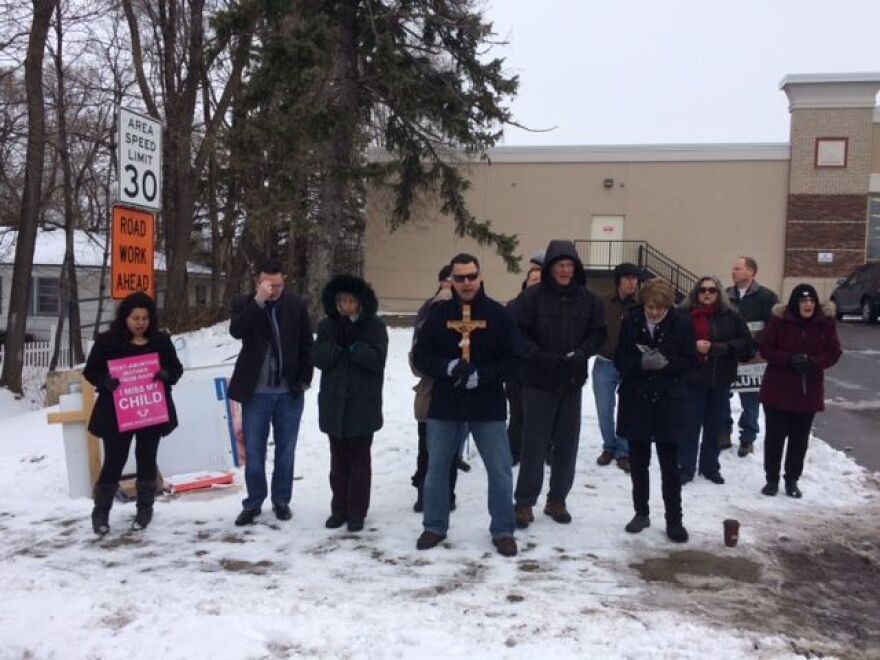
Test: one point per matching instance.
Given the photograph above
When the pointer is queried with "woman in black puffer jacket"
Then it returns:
(723, 340)
(350, 351)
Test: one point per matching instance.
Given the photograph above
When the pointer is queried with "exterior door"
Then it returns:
(606, 232)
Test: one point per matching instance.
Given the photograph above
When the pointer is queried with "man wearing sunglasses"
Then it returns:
(468, 392)
(563, 325)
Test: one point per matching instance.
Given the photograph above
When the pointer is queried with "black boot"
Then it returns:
(419, 506)
(146, 495)
(103, 496)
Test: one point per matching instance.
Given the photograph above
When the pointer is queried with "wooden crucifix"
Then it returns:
(465, 327)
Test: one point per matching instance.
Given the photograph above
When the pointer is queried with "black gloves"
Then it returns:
(344, 332)
(110, 384)
(162, 375)
(800, 363)
(550, 361)
(720, 349)
(576, 366)
(460, 371)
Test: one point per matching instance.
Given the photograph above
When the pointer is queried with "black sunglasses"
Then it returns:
(467, 277)
(708, 289)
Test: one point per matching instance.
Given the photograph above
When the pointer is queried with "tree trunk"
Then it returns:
(16, 326)
(341, 156)
(69, 306)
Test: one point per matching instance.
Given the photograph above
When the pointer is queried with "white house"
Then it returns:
(91, 264)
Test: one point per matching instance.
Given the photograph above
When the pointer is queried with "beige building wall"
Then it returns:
(700, 213)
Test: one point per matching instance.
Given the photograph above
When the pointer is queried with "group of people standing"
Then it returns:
(666, 368)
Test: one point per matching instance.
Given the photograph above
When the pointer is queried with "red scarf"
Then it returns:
(702, 327)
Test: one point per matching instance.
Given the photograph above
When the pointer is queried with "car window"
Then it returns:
(873, 272)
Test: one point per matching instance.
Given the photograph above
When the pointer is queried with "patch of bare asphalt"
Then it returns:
(819, 591)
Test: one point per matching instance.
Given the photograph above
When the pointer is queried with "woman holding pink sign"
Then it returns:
(132, 366)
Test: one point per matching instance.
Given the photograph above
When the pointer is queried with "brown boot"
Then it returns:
(524, 516)
(724, 441)
(558, 512)
(506, 546)
(605, 458)
(428, 540)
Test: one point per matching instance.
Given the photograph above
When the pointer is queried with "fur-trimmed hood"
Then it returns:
(356, 287)
(828, 309)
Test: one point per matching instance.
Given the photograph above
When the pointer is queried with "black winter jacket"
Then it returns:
(652, 405)
(756, 308)
(556, 321)
(496, 352)
(250, 323)
(731, 344)
(352, 374)
(110, 346)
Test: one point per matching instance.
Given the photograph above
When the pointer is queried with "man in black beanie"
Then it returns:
(606, 378)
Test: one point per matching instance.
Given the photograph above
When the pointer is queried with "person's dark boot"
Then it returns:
(419, 506)
(557, 511)
(146, 495)
(770, 488)
(676, 531)
(336, 520)
(355, 524)
(724, 441)
(637, 524)
(792, 490)
(103, 497)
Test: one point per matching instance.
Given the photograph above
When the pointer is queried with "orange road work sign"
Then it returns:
(133, 238)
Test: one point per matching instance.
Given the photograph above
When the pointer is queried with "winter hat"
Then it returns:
(444, 273)
(537, 260)
(625, 269)
(800, 292)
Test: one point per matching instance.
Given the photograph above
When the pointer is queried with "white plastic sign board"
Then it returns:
(140, 160)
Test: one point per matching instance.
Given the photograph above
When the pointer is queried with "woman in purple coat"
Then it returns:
(799, 344)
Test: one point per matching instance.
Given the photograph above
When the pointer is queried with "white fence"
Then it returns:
(38, 355)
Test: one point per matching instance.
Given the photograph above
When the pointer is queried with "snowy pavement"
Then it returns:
(802, 582)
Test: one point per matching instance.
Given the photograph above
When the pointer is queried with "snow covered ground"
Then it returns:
(193, 585)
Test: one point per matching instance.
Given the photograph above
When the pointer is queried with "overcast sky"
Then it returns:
(661, 71)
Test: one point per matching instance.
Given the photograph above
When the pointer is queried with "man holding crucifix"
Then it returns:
(469, 346)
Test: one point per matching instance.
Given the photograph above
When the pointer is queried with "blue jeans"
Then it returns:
(748, 419)
(283, 410)
(606, 379)
(706, 414)
(444, 437)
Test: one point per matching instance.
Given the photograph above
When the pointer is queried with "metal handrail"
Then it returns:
(605, 255)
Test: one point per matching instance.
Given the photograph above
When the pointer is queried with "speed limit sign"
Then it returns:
(140, 160)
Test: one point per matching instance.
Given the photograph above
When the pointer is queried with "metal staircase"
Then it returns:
(598, 256)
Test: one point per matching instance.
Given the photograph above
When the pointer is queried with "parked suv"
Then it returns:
(859, 293)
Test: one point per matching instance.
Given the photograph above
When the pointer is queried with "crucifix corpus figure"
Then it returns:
(465, 327)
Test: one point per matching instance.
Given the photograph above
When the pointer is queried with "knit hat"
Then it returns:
(800, 292)
(625, 269)
(537, 259)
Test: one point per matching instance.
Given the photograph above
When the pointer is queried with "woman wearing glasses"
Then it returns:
(722, 340)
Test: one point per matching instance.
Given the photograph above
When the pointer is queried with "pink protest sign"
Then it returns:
(140, 401)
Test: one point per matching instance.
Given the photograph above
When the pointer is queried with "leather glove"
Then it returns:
(110, 383)
(800, 363)
(344, 332)
(653, 360)
(162, 375)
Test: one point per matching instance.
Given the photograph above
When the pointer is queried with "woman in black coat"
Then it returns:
(350, 351)
(133, 333)
(722, 341)
(656, 349)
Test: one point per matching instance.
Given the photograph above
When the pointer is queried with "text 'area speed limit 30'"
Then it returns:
(140, 160)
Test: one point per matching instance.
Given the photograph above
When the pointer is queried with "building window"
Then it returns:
(46, 296)
(831, 151)
(201, 295)
(873, 251)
